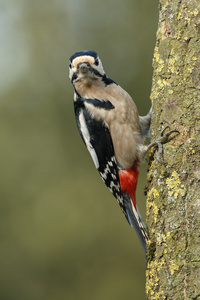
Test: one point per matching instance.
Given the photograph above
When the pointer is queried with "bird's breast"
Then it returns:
(122, 120)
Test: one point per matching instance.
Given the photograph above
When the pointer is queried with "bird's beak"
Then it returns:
(84, 68)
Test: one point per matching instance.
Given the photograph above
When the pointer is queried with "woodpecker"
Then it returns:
(113, 132)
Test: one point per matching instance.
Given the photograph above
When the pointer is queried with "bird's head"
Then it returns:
(85, 65)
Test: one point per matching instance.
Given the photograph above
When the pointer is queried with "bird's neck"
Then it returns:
(89, 88)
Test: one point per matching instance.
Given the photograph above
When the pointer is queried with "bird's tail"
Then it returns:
(134, 218)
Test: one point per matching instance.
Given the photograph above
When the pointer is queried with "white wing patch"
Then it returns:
(86, 137)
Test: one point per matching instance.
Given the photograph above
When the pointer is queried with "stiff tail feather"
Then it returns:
(134, 218)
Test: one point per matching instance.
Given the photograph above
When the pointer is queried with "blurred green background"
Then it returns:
(62, 234)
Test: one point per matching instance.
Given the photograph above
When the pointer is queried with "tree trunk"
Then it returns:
(173, 198)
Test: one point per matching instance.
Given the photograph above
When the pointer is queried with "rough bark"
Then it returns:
(173, 198)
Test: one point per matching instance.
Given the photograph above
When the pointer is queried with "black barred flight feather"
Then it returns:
(97, 139)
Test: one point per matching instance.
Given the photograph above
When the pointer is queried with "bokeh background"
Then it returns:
(62, 234)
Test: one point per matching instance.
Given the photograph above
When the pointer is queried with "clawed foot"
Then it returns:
(165, 138)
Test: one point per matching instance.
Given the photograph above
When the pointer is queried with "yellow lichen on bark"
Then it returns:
(173, 218)
(174, 186)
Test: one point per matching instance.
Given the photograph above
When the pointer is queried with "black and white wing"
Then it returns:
(97, 138)
(98, 141)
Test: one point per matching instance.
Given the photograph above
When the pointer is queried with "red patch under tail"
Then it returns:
(128, 181)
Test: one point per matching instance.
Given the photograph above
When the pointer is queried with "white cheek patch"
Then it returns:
(99, 68)
(75, 97)
(71, 72)
(86, 137)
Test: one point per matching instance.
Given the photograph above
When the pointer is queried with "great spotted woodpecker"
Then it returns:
(112, 131)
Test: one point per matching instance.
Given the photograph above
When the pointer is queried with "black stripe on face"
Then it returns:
(74, 77)
(104, 78)
(95, 72)
(108, 80)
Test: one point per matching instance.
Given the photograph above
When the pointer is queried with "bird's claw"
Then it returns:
(163, 139)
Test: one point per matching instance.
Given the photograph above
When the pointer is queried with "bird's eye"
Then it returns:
(70, 66)
(96, 62)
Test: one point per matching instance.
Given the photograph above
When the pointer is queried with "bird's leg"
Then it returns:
(165, 138)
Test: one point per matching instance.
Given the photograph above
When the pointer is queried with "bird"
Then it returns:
(113, 132)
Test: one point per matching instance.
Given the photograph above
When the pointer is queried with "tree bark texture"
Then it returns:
(173, 197)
